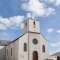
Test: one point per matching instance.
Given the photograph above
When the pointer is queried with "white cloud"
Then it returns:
(12, 22)
(37, 8)
(58, 31)
(25, 0)
(55, 2)
(50, 30)
(55, 44)
(49, 11)
(2, 27)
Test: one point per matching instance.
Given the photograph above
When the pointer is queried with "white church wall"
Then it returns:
(16, 49)
(14, 46)
(44, 55)
(8, 53)
(33, 47)
(23, 55)
(2, 52)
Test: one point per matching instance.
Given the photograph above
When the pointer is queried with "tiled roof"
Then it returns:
(4, 42)
(56, 54)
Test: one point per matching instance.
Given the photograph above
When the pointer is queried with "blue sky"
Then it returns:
(14, 12)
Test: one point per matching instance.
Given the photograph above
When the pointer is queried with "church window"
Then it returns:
(26, 24)
(34, 22)
(43, 48)
(25, 47)
(7, 52)
(35, 41)
(11, 51)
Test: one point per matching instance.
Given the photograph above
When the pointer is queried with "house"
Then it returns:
(55, 56)
(3, 49)
(32, 45)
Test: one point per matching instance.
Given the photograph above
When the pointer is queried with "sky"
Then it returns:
(14, 12)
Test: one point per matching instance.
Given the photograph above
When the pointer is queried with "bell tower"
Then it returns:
(31, 25)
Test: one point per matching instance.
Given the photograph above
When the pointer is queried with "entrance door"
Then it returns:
(58, 58)
(35, 55)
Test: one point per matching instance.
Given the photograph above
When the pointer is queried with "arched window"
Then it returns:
(25, 47)
(43, 48)
(34, 22)
(11, 51)
(7, 52)
(25, 24)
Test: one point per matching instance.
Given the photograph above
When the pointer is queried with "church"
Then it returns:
(32, 45)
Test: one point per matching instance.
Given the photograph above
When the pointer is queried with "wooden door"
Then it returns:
(35, 55)
(58, 58)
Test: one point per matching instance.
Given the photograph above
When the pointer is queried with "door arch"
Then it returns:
(35, 55)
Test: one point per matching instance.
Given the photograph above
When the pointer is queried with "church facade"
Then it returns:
(32, 45)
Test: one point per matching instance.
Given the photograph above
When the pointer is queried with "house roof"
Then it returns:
(56, 54)
(4, 42)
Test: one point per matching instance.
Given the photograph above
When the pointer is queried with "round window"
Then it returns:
(35, 41)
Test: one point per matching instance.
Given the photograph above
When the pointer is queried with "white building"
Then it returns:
(32, 45)
(3, 49)
(55, 56)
